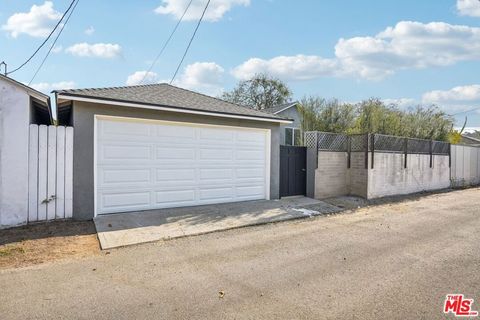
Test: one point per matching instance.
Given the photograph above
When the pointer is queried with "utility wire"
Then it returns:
(468, 111)
(45, 41)
(54, 42)
(191, 39)
(166, 43)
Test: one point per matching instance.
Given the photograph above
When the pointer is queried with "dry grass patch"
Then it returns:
(47, 242)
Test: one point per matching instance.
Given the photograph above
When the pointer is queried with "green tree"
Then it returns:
(374, 116)
(326, 115)
(260, 92)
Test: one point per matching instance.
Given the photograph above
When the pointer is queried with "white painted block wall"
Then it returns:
(14, 122)
(389, 177)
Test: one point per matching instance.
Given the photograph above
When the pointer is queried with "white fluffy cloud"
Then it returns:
(457, 99)
(407, 45)
(468, 8)
(38, 22)
(215, 11)
(137, 77)
(205, 77)
(98, 50)
(299, 67)
(47, 87)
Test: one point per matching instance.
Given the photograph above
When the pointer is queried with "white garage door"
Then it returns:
(142, 165)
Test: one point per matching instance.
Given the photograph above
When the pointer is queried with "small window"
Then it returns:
(289, 136)
(297, 137)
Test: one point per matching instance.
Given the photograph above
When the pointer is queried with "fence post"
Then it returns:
(349, 151)
(373, 148)
(449, 155)
(405, 151)
(367, 148)
(431, 153)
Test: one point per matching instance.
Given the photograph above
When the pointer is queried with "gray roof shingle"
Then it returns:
(167, 96)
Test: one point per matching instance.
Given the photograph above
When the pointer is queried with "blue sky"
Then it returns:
(408, 51)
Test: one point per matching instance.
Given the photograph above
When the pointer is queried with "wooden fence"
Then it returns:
(50, 171)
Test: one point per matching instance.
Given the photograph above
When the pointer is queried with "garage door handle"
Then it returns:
(304, 170)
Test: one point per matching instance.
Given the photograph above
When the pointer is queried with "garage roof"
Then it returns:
(165, 95)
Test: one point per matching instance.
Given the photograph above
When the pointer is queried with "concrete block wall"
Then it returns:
(357, 175)
(389, 177)
(331, 175)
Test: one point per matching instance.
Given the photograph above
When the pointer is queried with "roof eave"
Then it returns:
(32, 92)
(287, 107)
(68, 96)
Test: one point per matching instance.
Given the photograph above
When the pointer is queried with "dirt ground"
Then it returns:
(47, 242)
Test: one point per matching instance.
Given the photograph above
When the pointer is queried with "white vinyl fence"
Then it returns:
(465, 170)
(50, 169)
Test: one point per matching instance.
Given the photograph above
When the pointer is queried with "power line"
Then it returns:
(191, 39)
(468, 111)
(54, 42)
(45, 41)
(166, 43)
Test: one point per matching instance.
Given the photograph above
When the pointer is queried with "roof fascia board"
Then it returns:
(162, 108)
(32, 92)
(288, 107)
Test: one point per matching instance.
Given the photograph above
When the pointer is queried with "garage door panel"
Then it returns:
(216, 194)
(178, 133)
(246, 173)
(126, 152)
(174, 196)
(215, 174)
(250, 155)
(222, 136)
(126, 129)
(250, 191)
(246, 138)
(175, 153)
(183, 175)
(161, 165)
(124, 176)
(215, 154)
(125, 199)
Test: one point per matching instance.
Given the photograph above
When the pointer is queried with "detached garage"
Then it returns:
(158, 146)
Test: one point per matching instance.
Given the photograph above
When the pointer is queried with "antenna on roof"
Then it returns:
(4, 64)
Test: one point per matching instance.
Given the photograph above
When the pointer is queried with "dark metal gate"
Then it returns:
(293, 164)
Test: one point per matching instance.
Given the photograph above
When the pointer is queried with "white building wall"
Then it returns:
(14, 122)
